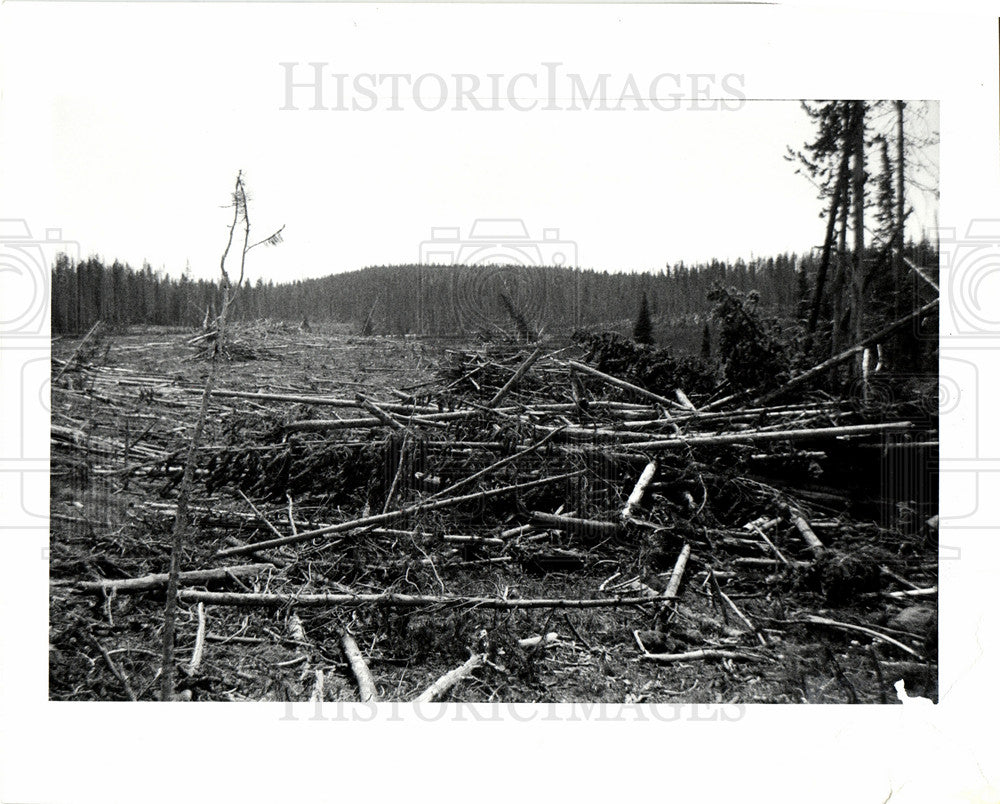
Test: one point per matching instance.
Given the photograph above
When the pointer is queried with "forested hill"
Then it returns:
(420, 299)
(432, 300)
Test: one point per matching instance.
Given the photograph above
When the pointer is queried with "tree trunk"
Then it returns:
(831, 226)
(903, 341)
(839, 278)
(858, 193)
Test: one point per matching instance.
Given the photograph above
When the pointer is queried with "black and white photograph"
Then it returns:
(515, 364)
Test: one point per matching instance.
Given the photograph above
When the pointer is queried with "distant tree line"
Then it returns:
(420, 299)
(446, 300)
(121, 296)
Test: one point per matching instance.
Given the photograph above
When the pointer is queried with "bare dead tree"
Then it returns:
(182, 519)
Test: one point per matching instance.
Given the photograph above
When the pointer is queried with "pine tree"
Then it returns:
(706, 345)
(802, 291)
(643, 332)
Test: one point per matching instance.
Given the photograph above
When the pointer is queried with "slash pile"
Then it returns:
(538, 528)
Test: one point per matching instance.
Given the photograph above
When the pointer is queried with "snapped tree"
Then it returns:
(230, 293)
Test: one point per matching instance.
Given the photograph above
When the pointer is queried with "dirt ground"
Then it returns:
(119, 430)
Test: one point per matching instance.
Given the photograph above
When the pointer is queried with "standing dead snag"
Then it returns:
(181, 521)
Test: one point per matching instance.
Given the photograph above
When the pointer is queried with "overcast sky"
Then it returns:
(126, 130)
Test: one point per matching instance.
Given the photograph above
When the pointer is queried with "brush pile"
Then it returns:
(540, 525)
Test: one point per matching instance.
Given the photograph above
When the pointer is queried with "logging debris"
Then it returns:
(428, 501)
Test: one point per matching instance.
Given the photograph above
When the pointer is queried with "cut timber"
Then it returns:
(579, 527)
(391, 516)
(752, 437)
(635, 498)
(516, 378)
(627, 386)
(366, 684)
(127, 586)
(392, 600)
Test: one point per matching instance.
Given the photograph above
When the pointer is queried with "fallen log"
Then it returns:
(516, 378)
(683, 399)
(127, 586)
(706, 654)
(391, 516)
(774, 548)
(930, 591)
(843, 357)
(808, 536)
(324, 401)
(76, 353)
(815, 371)
(627, 386)
(813, 619)
(498, 465)
(674, 585)
(461, 539)
(393, 600)
(199, 642)
(366, 684)
(379, 414)
(922, 273)
(639, 490)
(450, 679)
(756, 437)
(453, 677)
(321, 425)
(574, 525)
(770, 562)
